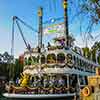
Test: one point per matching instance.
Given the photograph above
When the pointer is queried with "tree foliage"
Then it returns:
(96, 49)
(7, 68)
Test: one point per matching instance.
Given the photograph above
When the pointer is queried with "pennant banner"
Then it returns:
(54, 29)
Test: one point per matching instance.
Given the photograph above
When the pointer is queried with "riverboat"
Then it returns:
(53, 71)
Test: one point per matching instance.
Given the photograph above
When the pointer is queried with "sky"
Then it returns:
(27, 11)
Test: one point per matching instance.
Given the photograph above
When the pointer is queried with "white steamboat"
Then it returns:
(52, 72)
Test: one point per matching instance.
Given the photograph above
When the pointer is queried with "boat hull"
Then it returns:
(38, 96)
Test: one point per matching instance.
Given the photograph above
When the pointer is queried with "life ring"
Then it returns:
(86, 91)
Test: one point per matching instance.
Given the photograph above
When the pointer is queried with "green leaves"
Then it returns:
(94, 1)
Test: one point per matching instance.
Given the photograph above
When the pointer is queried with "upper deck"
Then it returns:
(57, 59)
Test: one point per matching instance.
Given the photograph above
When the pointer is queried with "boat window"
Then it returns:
(29, 61)
(84, 63)
(86, 80)
(69, 60)
(35, 60)
(61, 58)
(80, 63)
(90, 67)
(81, 79)
(65, 79)
(42, 59)
(93, 68)
(51, 58)
(26, 62)
(73, 81)
(98, 59)
(74, 58)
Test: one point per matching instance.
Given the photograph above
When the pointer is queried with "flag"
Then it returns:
(54, 29)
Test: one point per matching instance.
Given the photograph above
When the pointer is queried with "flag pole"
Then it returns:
(40, 14)
(40, 33)
(66, 32)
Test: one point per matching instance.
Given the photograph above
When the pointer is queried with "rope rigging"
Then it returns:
(30, 27)
(16, 21)
(22, 34)
(53, 20)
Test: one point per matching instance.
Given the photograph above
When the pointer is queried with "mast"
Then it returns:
(40, 32)
(11, 67)
(40, 15)
(65, 4)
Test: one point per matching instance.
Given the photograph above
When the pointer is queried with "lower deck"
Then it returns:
(52, 86)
